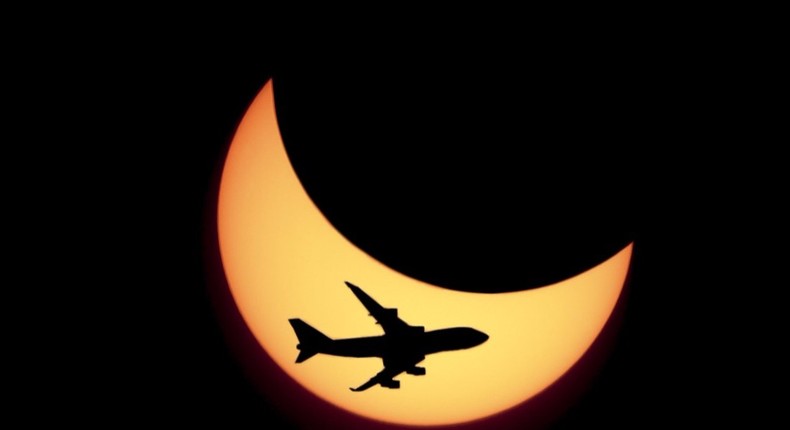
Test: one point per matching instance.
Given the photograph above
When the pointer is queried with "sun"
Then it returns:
(283, 260)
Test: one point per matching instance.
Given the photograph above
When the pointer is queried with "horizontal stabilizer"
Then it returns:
(305, 354)
(311, 341)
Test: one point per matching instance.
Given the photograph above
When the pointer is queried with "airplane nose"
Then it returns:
(480, 337)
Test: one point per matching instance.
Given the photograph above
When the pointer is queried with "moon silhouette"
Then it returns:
(283, 259)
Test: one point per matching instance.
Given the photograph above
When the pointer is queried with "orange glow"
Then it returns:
(283, 259)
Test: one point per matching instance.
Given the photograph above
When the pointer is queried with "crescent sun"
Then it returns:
(282, 258)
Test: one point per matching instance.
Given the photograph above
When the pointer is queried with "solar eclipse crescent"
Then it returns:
(283, 259)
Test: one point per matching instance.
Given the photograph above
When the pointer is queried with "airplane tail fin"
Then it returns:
(310, 340)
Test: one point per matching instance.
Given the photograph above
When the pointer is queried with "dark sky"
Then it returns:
(463, 170)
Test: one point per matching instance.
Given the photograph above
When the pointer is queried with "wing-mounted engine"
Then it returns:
(387, 314)
(391, 384)
(419, 371)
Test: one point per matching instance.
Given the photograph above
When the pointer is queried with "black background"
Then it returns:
(493, 170)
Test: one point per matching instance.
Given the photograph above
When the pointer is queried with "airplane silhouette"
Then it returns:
(401, 347)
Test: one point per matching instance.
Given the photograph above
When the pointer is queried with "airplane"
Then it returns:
(401, 347)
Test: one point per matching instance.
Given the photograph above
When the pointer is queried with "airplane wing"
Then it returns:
(393, 368)
(387, 318)
(384, 378)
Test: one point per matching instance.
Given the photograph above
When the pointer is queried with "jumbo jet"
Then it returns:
(401, 347)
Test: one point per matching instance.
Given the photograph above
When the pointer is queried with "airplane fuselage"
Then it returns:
(418, 343)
